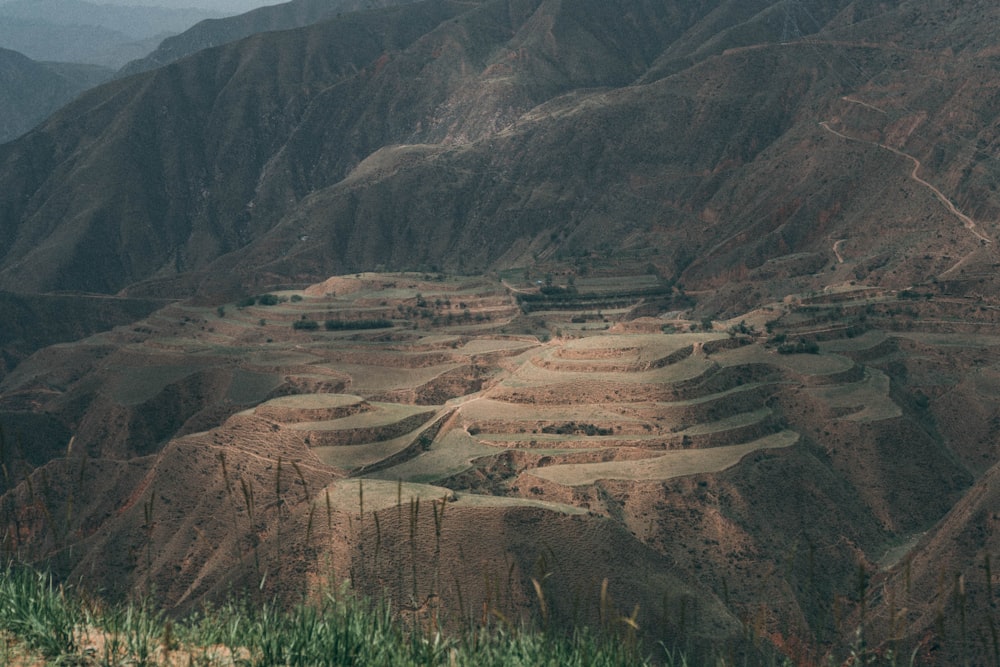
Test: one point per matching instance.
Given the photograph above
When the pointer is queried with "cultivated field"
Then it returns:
(684, 437)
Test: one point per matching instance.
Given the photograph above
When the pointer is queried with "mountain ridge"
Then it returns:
(233, 206)
(83, 32)
(596, 246)
(216, 32)
(32, 90)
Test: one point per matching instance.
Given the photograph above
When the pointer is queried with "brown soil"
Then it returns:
(715, 482)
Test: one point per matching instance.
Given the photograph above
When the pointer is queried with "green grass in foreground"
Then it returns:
(45, 623)
(41, 621)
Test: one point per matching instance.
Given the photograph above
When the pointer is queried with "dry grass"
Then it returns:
(358, 457)
(369, 379)
(136, 385)
(371, 495)
(381, 415)
(486, 409)
(803, 364)
(659, 468)
(251, 386)
(486, 344)
(867, 400)
(728, 423)
(951, 339)
(477, 500)
(449, 455)
(532, 374)
(865, 341)
(313, 401)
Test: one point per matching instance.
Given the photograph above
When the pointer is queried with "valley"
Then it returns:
(297, 452)
(674, 320)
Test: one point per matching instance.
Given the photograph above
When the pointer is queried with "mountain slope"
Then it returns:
(30, 91)
(282, 115)
(176, 177)
(234, 138)
(736, 311)
(215, 32)
(710, 475)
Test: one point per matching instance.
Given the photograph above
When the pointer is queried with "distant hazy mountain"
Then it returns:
(135, 21)
(79, 31)
(215, 32)
(30, 90)
(222, 6)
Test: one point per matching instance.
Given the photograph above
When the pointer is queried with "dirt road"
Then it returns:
(968, 222)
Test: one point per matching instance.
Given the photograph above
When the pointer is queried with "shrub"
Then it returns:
(305, 325)
(742, 328)
(268, 299)
(348, 325)
(801, 346)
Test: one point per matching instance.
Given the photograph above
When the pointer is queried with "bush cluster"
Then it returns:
(349, 325)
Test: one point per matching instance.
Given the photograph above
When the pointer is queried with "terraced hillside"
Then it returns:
(727, 476)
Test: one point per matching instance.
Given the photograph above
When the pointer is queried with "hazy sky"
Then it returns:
(227, 6)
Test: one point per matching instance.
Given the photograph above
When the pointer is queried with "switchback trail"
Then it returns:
(968, 222)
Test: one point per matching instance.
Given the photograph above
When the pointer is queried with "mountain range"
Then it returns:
(84, 32)
(806, 190)
(257, 143)
(33, 90)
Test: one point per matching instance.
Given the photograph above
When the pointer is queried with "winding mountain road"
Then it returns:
(968, 222)
(836, 250)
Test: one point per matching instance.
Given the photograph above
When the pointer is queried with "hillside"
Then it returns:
(544, 131)
(249, 124)
(32, 90)
(702, 471)
(699, 298)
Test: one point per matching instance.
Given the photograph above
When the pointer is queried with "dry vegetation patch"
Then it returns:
(664, 467)
(311, 407)
(354, 496)
(801, 364)
(864, 401)
(661, 432)
(355, 458)
(382, 422)
(450, 454)
(370, 380)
